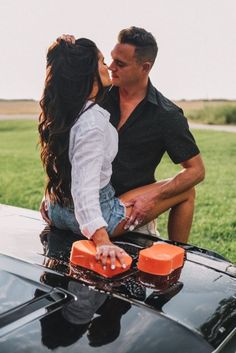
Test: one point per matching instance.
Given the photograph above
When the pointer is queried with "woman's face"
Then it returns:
(103, 71)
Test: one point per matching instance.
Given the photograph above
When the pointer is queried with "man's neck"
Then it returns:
(135, 92)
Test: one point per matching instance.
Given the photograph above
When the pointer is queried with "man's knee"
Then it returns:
(187, 197)
(192, 193)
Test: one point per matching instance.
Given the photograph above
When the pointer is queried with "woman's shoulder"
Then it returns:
(94, 116)
(97, 108)
(93, 110)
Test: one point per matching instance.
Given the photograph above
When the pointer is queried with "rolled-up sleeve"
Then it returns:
(87, 156)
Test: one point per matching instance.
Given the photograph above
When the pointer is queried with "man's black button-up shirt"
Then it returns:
(154, 127)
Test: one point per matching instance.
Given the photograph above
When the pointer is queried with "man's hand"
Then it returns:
(44, 211)
(142, 206)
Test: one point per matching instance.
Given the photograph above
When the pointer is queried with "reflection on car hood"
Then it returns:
(46, 303)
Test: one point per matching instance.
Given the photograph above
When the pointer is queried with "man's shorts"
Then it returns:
(149, 229)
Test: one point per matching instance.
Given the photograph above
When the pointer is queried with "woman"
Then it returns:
(78, 145)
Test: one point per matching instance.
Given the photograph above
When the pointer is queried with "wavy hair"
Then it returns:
(71, 72)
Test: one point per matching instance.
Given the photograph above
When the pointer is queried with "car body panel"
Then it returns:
(192, 310)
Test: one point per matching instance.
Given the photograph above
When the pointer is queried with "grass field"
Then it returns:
(196, 110)
(194, 105)
(11, 107)
(214, 226)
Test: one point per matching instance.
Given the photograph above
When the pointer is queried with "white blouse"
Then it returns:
(92, 148)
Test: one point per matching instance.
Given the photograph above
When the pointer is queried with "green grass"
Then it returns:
(21, 174)
(214, 226)
(223, 114)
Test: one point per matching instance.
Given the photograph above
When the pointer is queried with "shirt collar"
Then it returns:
(151, 95)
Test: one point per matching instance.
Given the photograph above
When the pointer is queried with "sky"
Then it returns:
(196, 40)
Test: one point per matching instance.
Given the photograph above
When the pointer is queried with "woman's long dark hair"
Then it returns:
(72, 70)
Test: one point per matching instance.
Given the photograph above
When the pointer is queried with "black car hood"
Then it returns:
(46, 303)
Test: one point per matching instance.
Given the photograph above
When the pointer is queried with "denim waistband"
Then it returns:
(106, 193)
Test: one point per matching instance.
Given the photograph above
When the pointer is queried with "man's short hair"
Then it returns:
(145, 44)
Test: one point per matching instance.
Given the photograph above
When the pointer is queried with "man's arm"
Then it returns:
(193, 172)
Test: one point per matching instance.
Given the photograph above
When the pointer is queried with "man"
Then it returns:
(149, 125)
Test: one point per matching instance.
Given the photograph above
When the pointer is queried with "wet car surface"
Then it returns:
(48, 304)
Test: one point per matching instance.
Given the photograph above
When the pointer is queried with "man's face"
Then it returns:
(125, 70)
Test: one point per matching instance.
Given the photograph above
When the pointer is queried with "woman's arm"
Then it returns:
(87, 153)
(86, 156)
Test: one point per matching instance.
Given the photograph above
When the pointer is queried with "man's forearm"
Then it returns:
(192, 174)
(182, 182)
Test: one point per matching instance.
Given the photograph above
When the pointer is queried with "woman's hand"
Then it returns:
(44, 210)
(112, 251)
(69, 38)
(107, 250)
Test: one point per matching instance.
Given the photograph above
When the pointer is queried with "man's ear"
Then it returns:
(147, 66)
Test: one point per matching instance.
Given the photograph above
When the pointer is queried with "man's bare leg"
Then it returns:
(180, 219)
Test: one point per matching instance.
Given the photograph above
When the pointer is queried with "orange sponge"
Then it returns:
(161, 259)
(83, 254)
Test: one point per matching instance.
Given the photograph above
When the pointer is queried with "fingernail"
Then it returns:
(104, 267)
(124, 265)
(113, 267)
(131, 228)
(126, 227)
